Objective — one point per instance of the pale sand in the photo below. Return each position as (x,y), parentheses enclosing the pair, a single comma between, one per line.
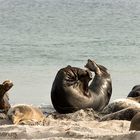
(79,125)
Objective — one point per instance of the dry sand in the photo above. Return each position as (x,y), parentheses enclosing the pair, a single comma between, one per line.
(80,125)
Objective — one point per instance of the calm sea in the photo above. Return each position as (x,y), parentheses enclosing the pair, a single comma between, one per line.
(38,37)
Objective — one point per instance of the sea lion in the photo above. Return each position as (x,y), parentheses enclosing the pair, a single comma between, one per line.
(121,109)
(71,90)
(135,92)
(120,104)
(25,114)
(4,99)
(124,114)
(135,122)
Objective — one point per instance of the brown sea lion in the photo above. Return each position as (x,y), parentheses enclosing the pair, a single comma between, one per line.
(71,90)
(4,99)
(25,114)
(135,122)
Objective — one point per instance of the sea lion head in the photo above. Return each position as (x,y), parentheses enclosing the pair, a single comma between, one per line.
(4,99)
(6,85)
(22,114)
(135,92)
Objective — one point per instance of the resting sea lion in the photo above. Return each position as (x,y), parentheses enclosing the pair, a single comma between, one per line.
(124,114)
(121,109)
(25,114)
(135,122)
(71,90)
(135,92)
(120,104)
(4,99)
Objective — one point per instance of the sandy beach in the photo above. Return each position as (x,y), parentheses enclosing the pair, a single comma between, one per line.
(82,124)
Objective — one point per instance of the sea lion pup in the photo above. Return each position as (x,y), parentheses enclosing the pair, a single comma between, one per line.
(4,99)
(71,90)
(135,92)
(135,122)
(25,114)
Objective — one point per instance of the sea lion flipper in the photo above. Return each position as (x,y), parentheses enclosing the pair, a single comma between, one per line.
(92,66)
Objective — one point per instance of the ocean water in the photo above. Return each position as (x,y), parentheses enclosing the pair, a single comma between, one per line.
(38,37)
